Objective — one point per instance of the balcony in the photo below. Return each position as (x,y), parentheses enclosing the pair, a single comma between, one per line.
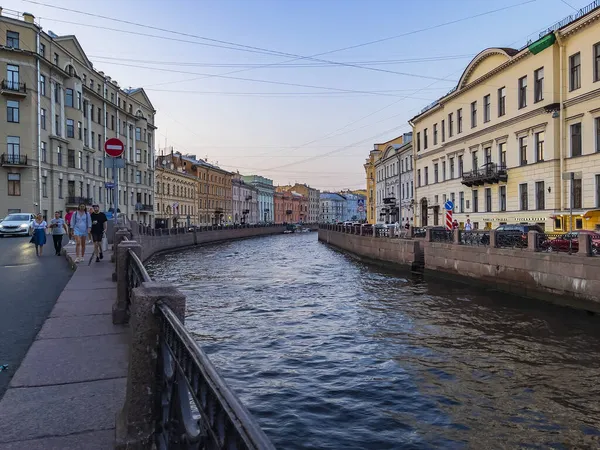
(76,201)
(288,212)
(248,198)
(246,211)
(7,159)
(389,200)
(12,88)
(489,173)
(144,207)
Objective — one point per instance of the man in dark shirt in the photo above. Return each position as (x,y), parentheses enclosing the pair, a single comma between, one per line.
(99,225)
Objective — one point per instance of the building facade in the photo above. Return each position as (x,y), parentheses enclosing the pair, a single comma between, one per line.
(332,207)
(245,201)
(176,197)
(60,111)
(353,211)
(214,191)
(265,189)
(503,143)
(311,195)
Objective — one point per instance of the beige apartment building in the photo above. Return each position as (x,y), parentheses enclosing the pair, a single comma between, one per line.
(57,112)
(177,197)
(501,143)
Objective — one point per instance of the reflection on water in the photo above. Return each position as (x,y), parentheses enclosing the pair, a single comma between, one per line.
(329,353)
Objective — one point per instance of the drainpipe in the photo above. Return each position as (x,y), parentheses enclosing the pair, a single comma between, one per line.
(39,123)
(561,120)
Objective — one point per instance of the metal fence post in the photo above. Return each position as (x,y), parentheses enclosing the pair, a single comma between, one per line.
(532,241)
(456,236)
(493,238)
(135,422)
(585,244)
(120,307)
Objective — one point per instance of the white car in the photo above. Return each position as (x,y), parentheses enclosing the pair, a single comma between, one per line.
(17,224)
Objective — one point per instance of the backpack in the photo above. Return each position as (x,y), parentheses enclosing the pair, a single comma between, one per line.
(87,219)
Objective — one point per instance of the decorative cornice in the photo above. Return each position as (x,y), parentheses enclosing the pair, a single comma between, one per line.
(582,98)
(574,117)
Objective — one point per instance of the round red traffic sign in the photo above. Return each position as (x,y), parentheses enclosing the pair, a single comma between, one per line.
(114,147)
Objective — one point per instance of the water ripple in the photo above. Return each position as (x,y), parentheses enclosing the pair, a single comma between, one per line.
(329,353)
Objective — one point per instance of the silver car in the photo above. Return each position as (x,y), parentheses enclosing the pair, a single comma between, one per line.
(17,224)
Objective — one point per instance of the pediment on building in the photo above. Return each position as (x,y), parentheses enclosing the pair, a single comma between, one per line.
(486,61)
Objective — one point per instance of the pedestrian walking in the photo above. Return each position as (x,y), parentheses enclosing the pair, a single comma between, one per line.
(99,226)
(39,234)
(81,224)
(68,217)
(59,229)
(455,224)
(468,226)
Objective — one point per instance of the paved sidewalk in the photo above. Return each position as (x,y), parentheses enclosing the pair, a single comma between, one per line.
(69,387)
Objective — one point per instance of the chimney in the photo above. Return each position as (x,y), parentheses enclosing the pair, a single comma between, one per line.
(27,17)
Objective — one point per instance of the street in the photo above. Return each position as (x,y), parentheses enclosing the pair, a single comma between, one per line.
(29,288)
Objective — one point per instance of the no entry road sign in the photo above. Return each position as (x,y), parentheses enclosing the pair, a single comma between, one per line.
(114,147)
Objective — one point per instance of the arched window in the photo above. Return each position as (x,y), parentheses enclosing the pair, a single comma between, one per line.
(168,189)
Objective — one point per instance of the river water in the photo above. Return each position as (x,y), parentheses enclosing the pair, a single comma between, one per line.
(330,353)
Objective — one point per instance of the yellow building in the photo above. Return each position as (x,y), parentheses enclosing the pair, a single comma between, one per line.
(176,197)
(518,122)
(371,175)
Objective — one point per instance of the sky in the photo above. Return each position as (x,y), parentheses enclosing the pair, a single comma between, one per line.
(233,80)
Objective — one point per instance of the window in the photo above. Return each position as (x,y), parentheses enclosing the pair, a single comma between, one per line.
(425,139)
(459,121)
(79,131)
(473,114)
(451,168)
(461,201)
(539,147)
(70,128)
(597,62)
(59,160)
(43,118)
(523,196)
(43,85)
(80,160)
(45,187)
(488,200)
(99,116)
(460,166)
(540,195)
(79,101)
(12,111)
(523,151)
(14,183)
(502,198)
(13,148)
(99,141)
(487,154)
(426,176)
(57,93)
(576,139)
(69,97)
(443,130)
(597,123)
(418,141)
(597,191)
(538,85)
(435,173)
(487,108)
(418,177)
(522,92)
(575,71)
(577,194)
(501,101)
(475,160)
(91,83)
(443,170)
(502,154)
(42,51)
(43,151)
(138,134)
(71,159)
(450,125)
(93,143)
(435,134)
(475,200)
(112,97)
(60,188)
(87,163)
(112,122)
(138,156)
(12,75)
(12,39)
(138,176)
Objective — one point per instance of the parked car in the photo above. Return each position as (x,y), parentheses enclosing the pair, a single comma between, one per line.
(17,224)
(570,241)
(510,231)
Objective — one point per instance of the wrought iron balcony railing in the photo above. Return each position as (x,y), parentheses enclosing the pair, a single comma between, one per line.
(13,87)
(72,200)
(7,159)
(490,173)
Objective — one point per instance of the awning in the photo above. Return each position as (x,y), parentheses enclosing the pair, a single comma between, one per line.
(590,213)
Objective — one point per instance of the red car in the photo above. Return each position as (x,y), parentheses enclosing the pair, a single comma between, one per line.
(571,240)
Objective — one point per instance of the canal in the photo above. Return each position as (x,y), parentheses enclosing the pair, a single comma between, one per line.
(330,353)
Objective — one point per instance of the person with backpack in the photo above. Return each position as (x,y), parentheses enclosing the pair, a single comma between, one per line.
(81,224)
(99,226)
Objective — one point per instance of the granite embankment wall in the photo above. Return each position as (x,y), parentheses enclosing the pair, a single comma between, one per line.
(572,280)
(153,243)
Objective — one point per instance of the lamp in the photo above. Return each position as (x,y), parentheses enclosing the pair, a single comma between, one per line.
(549,189)
(555,115)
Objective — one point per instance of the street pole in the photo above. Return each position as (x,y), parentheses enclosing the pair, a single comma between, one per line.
(115,191)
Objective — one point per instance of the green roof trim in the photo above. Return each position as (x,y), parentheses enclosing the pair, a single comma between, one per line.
(542,44)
